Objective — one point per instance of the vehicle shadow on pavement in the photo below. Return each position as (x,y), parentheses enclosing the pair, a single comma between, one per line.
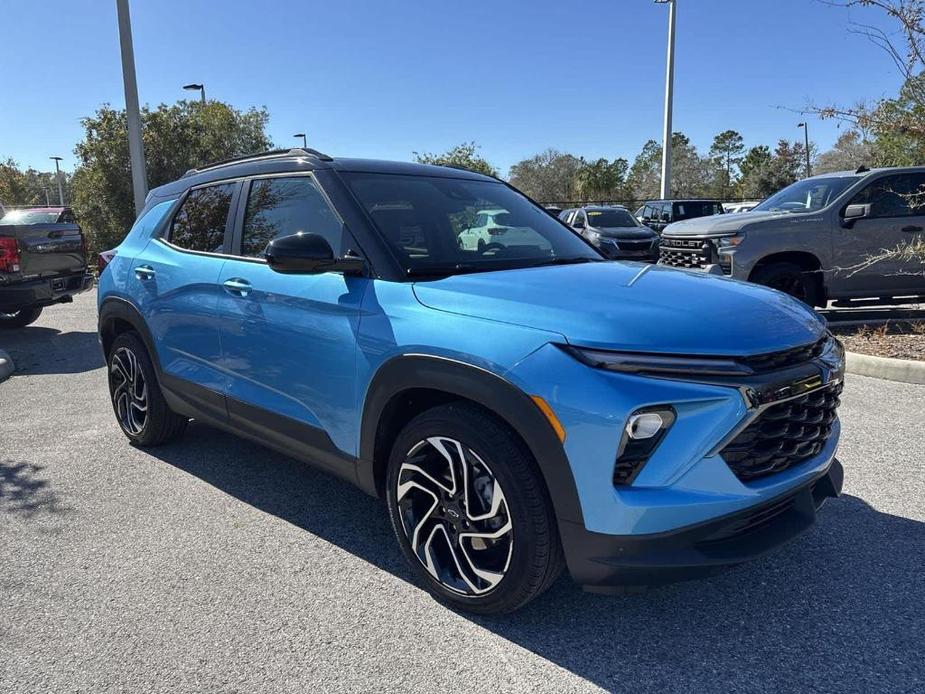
(24,493)
(839,609)
(38,350)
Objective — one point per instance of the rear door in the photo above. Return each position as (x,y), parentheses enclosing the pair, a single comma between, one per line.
(176,283)
(289,342)
(897,219)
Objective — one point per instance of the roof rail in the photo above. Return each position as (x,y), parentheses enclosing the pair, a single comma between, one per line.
(293,151)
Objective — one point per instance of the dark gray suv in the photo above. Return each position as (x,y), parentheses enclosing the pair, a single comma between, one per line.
(818,239)
(614,231)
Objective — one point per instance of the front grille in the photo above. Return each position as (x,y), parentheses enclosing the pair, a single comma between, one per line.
(634,245)
(694,258)
(784,435)
(786,358)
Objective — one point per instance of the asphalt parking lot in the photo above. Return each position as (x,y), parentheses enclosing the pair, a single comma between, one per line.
(214,565)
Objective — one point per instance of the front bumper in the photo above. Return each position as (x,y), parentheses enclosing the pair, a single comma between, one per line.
(44,291)
(602,562)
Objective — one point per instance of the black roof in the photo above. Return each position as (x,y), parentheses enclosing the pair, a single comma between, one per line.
(649,202)
(301,159)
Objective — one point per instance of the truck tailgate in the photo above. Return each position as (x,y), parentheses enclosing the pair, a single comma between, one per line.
(48,249)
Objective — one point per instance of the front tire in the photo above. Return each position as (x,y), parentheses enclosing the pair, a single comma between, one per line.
(20,318)
(470,510)
(788,278)
(137,401)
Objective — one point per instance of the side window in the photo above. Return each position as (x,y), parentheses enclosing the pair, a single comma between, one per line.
(902,195)
(200,223)
(579,220)
(284,206)
(667,210)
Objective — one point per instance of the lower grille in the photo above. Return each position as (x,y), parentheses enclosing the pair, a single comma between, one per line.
(784,435)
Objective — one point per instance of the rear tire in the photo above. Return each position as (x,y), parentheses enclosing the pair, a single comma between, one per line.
(490,546)
(20,318)
(137,401)
(788,278)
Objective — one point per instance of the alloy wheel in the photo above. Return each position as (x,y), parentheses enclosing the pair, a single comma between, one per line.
(455,516)
(9,316)
(129,390)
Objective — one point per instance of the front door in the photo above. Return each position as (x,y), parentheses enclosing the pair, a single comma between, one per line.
(865,261)
(178,274)
(289,341)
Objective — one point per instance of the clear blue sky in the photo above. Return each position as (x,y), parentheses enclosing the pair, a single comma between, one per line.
(384,78)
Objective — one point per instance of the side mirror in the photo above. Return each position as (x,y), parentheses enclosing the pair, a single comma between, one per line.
(853,213)
(307,253)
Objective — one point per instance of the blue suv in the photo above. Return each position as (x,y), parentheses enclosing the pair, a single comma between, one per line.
(521,406)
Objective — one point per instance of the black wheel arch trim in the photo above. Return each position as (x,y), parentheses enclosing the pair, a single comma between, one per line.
(116,308)
(496,394)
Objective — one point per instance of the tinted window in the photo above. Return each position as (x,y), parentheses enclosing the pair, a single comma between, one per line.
(429,221)
(901,195)
(283,206)
(611,218)
(689,210)
(200,223)
(29,217)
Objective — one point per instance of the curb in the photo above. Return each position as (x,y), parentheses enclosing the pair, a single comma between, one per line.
(6,366)
(902,370)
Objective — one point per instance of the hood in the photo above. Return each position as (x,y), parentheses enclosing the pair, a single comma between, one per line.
(625,232)
(722,223)
(632,306)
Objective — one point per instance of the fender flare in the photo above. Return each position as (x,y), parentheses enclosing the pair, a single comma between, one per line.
(115,308)
(491,391)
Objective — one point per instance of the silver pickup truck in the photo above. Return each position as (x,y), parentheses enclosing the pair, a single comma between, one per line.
(818,239)
(43,261)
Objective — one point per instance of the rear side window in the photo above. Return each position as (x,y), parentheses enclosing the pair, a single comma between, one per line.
(200,223)
(284,206)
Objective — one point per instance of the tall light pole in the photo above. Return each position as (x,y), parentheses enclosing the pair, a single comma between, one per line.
(805,126)
(58,179)
(136,148)
(669,95)
(304,139)
(201,88)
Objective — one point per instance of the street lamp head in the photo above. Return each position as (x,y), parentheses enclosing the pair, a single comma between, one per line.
(56,158)
(192,86)
(299,135)
(801,125)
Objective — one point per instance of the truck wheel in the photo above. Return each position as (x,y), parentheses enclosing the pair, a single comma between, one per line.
(788,278)
(20,318)
(137,400)
(470,510)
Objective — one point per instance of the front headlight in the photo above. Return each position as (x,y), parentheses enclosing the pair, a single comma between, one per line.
(659,364)
(730,241)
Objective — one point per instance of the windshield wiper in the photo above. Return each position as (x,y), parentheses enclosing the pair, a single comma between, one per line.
(568,261)
(443,270)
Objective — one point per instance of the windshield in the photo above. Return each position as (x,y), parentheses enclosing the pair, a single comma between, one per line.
(29,217)
(438,225)
(611,219)
(808,195)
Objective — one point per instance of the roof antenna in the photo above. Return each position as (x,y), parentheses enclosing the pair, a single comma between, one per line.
(862,169)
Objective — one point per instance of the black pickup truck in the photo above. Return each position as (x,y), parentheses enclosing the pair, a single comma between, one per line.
(43,261)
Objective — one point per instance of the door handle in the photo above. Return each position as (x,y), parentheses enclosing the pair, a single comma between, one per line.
(237,286)
(912,228)
(145,272)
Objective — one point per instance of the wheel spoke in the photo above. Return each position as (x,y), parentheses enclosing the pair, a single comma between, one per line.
(455,516)
(129,390)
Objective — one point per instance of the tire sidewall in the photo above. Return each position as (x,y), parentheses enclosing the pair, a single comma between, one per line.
(523,531)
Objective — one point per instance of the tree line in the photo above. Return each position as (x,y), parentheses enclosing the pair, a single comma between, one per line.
(188,134)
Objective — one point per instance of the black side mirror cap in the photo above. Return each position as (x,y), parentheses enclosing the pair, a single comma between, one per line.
(853,213)
(308,253)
